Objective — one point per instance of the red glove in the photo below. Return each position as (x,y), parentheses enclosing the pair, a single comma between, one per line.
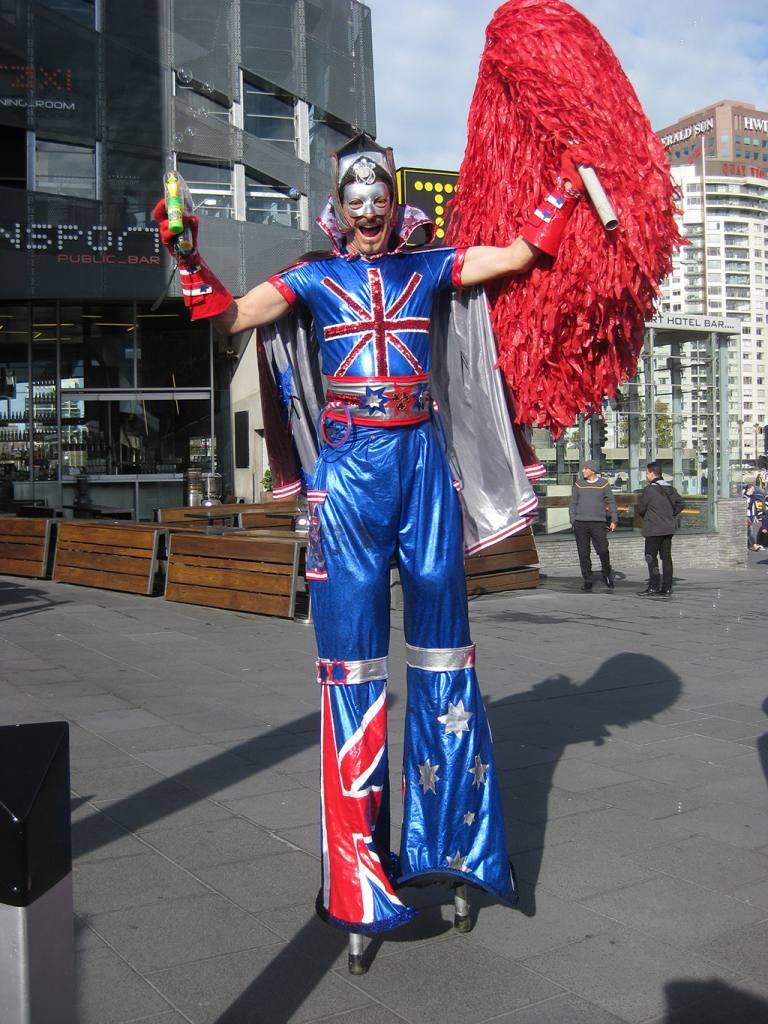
(169,240)
(203,293)
(569,174)
(545,226)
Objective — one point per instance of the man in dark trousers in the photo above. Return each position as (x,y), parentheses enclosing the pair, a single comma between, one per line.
(659,505)
(592,503)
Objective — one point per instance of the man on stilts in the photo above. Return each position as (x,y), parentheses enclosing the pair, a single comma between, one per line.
(381,488)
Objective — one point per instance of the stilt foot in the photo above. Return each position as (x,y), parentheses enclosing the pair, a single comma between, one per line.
(355,962)
(462,920)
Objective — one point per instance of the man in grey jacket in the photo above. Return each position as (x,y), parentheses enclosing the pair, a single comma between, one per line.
(659,505)
(592,503)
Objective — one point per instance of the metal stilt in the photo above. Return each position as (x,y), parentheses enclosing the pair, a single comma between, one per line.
(462,920)
(355,961)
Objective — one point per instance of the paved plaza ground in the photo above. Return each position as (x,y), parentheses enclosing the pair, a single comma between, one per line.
(632,742)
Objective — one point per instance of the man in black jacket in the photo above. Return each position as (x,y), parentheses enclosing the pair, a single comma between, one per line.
(659,505)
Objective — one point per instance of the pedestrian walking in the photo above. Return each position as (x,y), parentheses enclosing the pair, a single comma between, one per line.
(761,534)
(755,509)
(592,513)
(659,506)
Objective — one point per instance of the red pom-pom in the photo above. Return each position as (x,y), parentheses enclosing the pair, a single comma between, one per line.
(570,332)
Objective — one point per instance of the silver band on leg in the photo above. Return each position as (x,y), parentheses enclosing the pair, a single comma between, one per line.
(339,672)
(440,659)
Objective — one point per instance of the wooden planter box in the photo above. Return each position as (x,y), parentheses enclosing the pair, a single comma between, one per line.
(26,546)
(110,556)
(259,571)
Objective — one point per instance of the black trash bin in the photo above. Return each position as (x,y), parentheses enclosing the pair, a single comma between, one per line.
(36,913)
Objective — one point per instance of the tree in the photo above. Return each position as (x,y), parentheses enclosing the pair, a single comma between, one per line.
(663,425)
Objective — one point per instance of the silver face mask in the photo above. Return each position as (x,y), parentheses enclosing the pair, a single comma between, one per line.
(369,200)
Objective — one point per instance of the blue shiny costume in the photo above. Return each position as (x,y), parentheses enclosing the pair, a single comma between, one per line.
(382,489)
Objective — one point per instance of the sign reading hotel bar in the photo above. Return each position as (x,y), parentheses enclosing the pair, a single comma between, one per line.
(689,322)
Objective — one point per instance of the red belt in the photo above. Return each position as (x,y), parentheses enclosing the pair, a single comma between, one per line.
(377,402)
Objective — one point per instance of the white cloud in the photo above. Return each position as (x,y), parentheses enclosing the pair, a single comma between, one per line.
(680,55)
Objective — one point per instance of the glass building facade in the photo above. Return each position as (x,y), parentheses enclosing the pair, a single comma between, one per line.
(103,378)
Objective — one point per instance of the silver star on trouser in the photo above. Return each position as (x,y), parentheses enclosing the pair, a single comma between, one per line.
(469,817)
(478,770)
(457,862)
(456,719)
(428,776)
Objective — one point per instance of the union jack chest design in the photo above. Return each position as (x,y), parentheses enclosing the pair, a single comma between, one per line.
(372,317)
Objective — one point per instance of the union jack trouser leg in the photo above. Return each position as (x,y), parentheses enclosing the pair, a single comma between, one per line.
(356,892)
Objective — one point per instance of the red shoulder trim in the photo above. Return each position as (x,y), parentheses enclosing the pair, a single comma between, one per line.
(287,293)
(458,266)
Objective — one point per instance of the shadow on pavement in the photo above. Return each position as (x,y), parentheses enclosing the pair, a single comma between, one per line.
(712,1002)
(762,746)
(556,714)
(288,979)
(199,782)
(553,715)
(35,601)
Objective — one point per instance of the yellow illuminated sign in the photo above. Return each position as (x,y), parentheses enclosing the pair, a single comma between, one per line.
(431,191)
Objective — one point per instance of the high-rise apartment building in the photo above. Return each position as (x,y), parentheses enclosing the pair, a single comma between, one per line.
(719,158)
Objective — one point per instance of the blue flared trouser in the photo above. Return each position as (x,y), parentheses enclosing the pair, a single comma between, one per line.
(384,493)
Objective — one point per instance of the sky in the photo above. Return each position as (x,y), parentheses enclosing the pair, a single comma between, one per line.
(680,55)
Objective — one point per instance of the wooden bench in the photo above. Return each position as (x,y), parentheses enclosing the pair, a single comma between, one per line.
(512,564)
(259,571)
(26,545)
(112,556)
(272,515)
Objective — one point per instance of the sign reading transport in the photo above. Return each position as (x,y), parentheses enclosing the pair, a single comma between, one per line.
(690,322)
(110,244)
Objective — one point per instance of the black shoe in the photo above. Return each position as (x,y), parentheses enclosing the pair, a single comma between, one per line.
(608,579)
(664,592)
(648,590)
(586,585)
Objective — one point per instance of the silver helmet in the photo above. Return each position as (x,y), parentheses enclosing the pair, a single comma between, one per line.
(362,161)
